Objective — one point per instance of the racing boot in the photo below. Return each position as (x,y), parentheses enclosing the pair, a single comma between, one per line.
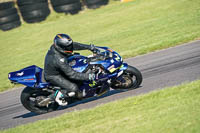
(60,98)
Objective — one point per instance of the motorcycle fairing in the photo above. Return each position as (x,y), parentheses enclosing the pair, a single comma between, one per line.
(110,64)
(30,76)
(124,66)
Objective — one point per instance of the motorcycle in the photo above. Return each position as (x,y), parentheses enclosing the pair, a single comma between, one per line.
(106,63)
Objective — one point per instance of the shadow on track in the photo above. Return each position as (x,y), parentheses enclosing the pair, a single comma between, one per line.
(27,115)
(112,92)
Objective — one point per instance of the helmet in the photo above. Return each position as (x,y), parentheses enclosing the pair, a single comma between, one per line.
(63,43)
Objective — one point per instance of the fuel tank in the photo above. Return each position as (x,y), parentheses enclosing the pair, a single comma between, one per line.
(78,62)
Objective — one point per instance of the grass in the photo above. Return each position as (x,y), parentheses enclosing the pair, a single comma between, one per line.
(131,28)
(172,110)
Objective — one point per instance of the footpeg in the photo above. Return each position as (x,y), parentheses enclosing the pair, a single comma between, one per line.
(44,102)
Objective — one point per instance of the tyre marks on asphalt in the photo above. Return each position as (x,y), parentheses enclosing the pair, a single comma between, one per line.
(179,64)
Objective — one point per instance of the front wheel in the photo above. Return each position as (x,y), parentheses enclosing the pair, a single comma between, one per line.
(30,98)
(130,79)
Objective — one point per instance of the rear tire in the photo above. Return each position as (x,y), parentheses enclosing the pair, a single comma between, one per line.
(27,100)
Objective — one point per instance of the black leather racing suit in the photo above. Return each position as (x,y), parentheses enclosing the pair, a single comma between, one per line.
(58,72)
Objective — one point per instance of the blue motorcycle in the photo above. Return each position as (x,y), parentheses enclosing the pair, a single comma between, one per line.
(107,64)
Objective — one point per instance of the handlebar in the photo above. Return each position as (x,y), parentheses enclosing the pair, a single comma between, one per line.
(105,53)
(101,55)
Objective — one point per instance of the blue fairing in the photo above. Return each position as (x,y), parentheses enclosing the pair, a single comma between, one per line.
(114,62)
(124,67)
(78,63)
(30,76)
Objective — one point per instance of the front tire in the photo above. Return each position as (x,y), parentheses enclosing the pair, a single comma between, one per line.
(131,79)
(134,73)
(28,100)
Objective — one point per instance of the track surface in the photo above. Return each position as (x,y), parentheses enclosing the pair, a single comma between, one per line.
(160,69)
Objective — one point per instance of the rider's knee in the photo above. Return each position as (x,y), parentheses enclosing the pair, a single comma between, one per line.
(73,87)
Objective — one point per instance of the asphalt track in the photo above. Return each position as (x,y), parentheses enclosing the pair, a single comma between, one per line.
(160,69)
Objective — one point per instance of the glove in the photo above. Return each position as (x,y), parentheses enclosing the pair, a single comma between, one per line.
(96,77)
(92,77)
(94,49)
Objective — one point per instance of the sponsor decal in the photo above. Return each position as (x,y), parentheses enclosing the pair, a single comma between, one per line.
(20,74)
(112,70)
(29,79)
(120,73)
(111,67)
(92,84)
(117,58)
(85,61)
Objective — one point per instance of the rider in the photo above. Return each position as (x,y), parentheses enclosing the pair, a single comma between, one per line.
(58,72)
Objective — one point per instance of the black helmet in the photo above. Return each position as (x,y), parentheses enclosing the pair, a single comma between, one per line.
(63,43)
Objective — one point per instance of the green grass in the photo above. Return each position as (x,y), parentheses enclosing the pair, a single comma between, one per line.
(132,28)
(172,110)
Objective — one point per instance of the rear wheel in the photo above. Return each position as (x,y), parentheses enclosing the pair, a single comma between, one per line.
(131,79)
(30,98)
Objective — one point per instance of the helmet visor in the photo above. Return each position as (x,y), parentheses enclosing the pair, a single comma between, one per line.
(68,49)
